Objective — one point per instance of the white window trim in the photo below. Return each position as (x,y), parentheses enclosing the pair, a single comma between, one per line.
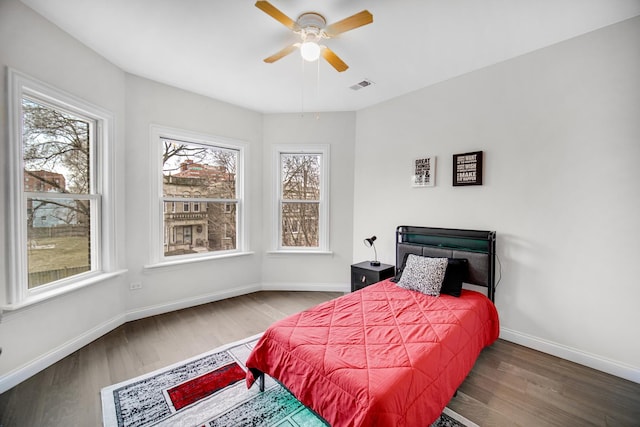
(18,295)
(323,233)
(156,255)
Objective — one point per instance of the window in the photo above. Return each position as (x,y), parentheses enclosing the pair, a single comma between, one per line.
(302,176)
(202,176)
(60,153)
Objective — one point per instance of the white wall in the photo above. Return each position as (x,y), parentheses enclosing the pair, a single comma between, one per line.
(561,137)
(312,271)
(42,333)
(167,288)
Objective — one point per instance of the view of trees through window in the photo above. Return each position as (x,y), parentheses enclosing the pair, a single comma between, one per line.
(56,148)
(300,204)
(199,196)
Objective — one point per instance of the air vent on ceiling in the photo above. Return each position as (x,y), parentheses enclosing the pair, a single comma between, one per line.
(364,83)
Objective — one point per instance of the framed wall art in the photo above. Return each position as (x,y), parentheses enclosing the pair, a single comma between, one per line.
(467,169)
(424,172)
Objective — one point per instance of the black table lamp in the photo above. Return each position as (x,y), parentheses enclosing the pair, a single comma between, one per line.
(369,242)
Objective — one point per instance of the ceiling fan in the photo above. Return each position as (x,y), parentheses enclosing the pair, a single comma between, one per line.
(312,28)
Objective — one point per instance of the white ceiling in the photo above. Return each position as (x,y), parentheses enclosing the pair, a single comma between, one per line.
(216,47)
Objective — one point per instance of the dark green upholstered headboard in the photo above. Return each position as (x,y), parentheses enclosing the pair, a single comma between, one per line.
(479,247)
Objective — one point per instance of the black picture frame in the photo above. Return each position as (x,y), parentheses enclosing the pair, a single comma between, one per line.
(467,169)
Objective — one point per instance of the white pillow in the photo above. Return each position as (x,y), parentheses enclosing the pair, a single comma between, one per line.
(423,274)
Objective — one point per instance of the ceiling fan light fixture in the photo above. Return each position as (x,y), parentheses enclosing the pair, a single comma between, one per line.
(310,51)
(312,29)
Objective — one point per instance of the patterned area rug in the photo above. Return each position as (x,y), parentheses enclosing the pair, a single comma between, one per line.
(209,390)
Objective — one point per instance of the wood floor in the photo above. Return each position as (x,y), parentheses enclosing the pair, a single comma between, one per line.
(509,385)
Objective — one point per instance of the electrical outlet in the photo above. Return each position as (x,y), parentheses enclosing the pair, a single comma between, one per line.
(135,286)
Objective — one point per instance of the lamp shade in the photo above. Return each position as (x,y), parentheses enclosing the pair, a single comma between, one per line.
(369,243)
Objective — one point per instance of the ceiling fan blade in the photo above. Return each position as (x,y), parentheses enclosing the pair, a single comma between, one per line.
(354,21)
(282,53)
(276,14)
(334,60)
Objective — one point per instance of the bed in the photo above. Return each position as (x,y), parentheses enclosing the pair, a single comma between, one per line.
(390,355)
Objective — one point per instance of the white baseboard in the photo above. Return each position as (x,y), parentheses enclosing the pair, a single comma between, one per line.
(16,376)
(154,310)
(317,287)
(594,361)
(31,368)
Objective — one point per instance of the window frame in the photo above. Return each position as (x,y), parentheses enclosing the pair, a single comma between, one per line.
(323,204)
(157,134)
(104,262)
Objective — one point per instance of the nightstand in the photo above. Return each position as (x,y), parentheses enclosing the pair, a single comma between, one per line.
(364,274)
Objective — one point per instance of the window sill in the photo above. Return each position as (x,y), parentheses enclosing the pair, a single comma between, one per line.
(192,260)
(46,295)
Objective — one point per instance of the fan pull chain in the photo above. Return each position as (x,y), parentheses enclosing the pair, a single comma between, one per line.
(318,87)
(302,89)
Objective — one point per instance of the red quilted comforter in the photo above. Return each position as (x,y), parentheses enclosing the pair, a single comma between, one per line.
(382,356)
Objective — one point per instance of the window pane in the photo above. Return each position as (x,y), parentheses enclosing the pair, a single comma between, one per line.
(192,170)
(300,224)
(211,228)
(58,239)
(55,147)
(300,176)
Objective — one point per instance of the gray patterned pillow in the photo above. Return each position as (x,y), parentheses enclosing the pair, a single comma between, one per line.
(423,274)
